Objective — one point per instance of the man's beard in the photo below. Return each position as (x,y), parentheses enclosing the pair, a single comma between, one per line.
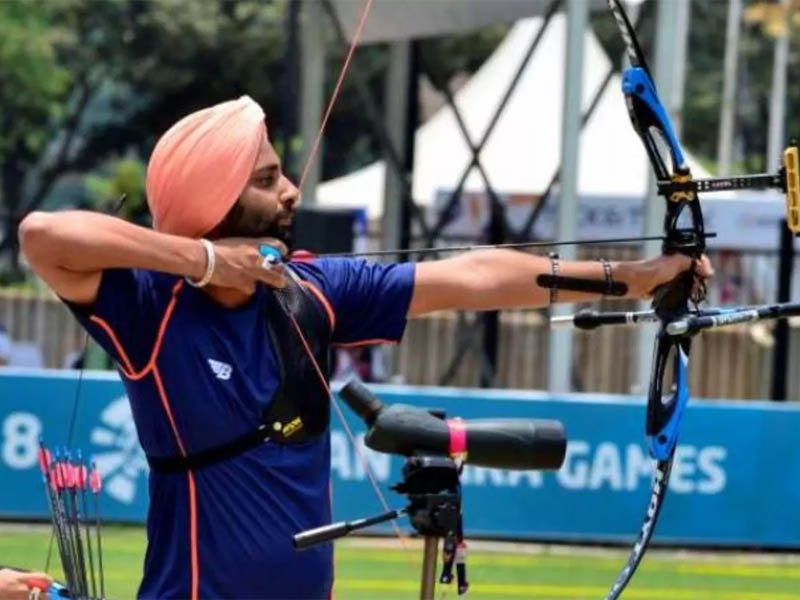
(273,230)
(243,223)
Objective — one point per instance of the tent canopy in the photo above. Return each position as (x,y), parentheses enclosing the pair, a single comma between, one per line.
(524,150)
(393,20)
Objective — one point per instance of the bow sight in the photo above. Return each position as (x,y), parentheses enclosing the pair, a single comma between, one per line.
(786,179)
(435,450)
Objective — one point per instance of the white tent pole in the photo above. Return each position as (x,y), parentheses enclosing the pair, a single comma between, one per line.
(560,355)
(727,111)
(777,104)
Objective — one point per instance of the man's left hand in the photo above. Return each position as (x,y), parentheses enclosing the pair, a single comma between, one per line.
(644,276)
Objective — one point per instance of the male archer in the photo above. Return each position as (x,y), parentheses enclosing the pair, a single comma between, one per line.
(224,352)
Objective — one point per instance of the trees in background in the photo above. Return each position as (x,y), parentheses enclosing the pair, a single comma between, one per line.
(87,87)
(86,84)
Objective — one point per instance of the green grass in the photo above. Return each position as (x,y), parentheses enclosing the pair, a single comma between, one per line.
(368,569)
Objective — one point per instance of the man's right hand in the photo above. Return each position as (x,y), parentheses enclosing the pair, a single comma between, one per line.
(240,265)
(70,250)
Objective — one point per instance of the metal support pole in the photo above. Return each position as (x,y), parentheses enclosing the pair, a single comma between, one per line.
(312,90)
(777,103)
(412,121)
(560,355)
(491,320)
(780,352)
(428,585)
(398,129)
(664,74)
(288,125)
(683,11)
(728,109)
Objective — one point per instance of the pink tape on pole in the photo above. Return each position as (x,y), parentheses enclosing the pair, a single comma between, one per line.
(458,438)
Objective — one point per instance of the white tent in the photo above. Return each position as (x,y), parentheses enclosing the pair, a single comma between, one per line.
(525,149)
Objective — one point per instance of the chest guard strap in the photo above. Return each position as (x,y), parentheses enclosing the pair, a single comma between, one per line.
(298,326)
(300,409)
(210,456)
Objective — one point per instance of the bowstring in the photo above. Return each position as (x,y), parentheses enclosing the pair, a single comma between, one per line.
(367,6)
(335,94)
(367,471)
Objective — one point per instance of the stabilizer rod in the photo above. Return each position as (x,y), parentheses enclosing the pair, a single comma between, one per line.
(326,533)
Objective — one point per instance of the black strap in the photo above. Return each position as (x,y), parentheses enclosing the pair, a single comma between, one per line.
(577,284)
(555,271)
(210,456)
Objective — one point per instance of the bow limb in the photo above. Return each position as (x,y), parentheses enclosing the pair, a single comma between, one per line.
(684,233)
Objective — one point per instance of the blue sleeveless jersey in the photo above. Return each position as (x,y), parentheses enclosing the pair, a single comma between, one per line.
(199,375)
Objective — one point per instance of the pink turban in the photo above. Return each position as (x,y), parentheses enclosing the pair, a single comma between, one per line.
(202,164)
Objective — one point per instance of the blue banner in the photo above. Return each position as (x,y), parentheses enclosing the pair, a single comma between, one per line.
(734,480)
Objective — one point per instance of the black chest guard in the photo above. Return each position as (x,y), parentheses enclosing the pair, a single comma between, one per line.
(299,328)
(300,409)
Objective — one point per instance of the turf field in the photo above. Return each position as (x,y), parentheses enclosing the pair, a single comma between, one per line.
(368,569)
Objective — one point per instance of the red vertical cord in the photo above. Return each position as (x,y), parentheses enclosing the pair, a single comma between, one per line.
(337,88)
(309,160)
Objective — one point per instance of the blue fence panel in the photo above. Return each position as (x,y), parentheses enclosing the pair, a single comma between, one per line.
(734,481)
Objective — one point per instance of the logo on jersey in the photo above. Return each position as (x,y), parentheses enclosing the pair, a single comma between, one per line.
(221,370)
(121,459)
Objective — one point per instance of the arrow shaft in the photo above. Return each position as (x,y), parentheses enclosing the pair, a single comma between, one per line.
(515,245)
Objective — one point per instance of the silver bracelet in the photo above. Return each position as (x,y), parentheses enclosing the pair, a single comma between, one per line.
(607,274)
(211,262)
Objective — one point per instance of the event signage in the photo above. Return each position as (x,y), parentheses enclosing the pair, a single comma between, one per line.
(749,221)
(733,482)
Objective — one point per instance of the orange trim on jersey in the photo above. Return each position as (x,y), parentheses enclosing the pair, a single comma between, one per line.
(165,321)
(193,536)
(365,343)
(162,393)
(193,551)
(128,370)
(127,367)
(323,300)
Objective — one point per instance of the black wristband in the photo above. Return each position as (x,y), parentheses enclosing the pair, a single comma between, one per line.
(555,270)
